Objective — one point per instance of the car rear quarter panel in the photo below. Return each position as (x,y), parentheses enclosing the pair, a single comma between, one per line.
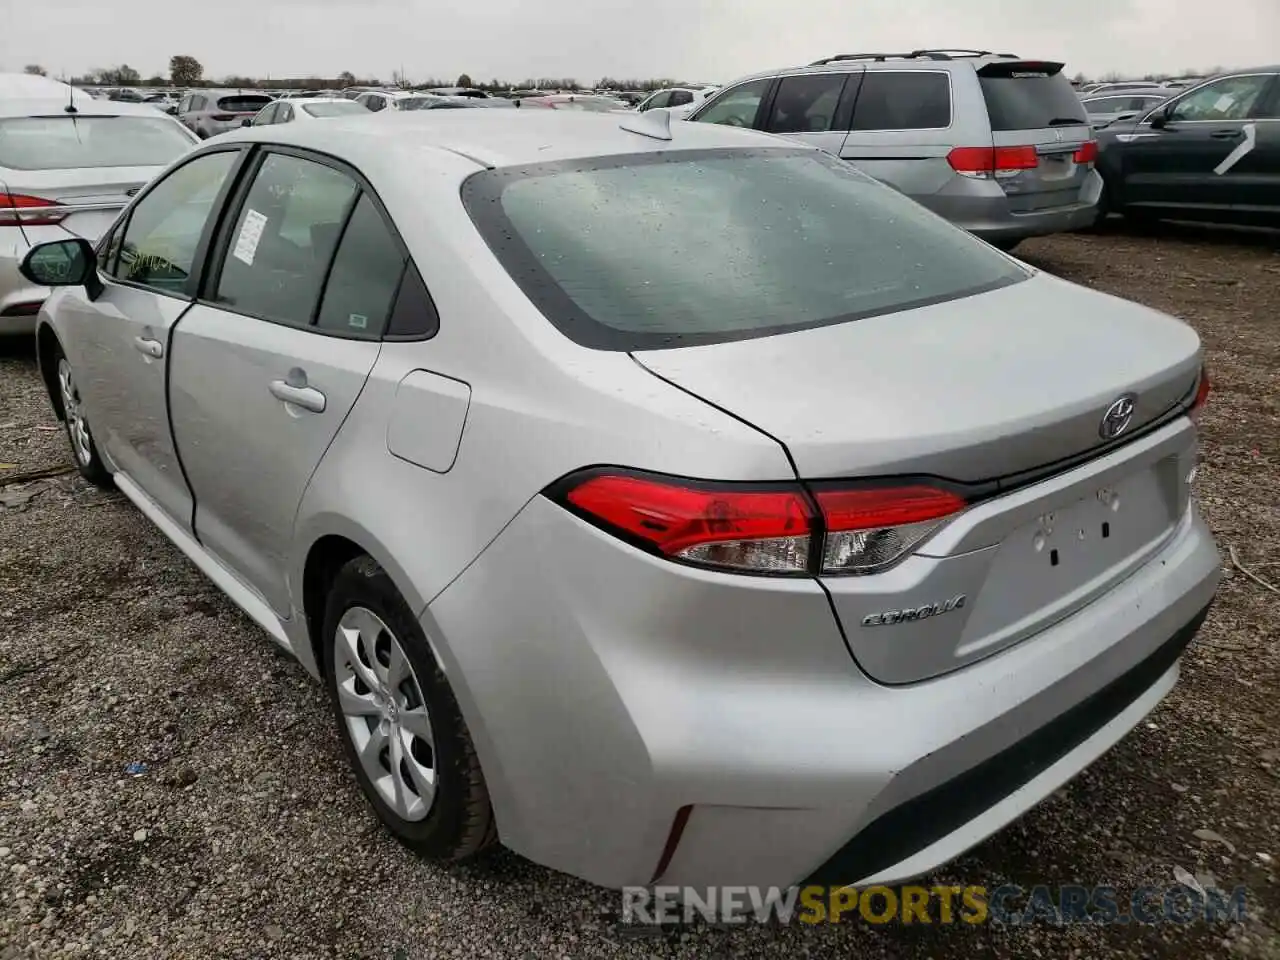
(540,407)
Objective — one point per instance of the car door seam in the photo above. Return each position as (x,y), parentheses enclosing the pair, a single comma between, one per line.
(168,416)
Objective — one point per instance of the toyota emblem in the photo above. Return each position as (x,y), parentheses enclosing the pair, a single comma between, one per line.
(1118,416)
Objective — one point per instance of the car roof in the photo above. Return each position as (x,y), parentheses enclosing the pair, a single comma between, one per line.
(85,107)
(493,138)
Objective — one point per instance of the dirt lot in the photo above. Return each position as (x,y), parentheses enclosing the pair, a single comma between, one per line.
(243,835)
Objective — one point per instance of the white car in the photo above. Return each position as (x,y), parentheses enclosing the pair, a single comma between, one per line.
(304,110)
(67,169)
(377,100)
(679,101)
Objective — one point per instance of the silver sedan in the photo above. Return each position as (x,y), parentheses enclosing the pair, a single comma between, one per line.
(69,172)
(667,501)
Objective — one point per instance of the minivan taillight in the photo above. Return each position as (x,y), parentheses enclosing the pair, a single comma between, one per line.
(984,163)
(767,529)
(19,208)
(1087,153)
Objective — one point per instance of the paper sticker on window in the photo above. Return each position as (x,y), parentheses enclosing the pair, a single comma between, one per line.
(250,233)
(358,320)
(1223,103)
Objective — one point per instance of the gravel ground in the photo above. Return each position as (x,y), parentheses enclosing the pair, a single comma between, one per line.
(244,835)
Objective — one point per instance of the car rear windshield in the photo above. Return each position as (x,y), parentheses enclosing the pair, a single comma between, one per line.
(679,248)
(69,142)
(246,104)
(333,108)
(1029,99)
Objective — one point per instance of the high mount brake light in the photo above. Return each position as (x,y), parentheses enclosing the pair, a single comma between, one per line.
(775,529)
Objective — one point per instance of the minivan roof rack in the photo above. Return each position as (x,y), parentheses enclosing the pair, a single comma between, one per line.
(948,54)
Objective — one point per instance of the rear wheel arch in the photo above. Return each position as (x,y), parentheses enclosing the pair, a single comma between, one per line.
(327,556)
(48,349)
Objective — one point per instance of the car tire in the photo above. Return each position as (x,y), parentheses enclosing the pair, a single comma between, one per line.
(83,448)
(371,634)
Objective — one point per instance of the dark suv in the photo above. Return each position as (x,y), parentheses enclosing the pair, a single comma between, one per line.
(1211,153)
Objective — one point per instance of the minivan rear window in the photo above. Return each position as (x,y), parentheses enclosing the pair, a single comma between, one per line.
(245,104)
(679,248)
(1029,99)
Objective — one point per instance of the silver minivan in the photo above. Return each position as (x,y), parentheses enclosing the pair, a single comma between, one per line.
(995,143)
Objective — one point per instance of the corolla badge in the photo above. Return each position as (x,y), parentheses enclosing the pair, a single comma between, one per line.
(890,617)
(1118,416)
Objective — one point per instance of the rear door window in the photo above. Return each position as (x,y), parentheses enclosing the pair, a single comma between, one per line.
(284,237)
(806,103)
(1029,96)
(365,276)
(903,100)
(680,97)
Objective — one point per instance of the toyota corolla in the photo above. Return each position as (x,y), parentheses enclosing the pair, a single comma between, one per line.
(667,502)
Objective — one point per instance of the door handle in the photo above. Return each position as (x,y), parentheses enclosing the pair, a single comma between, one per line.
(308,398)
(1227,134)
(149,347)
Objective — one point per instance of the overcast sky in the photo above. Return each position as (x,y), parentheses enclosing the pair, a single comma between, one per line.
(712,40)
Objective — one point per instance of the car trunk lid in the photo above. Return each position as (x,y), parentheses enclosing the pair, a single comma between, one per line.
(1003,394)
(93,198)
(972,389)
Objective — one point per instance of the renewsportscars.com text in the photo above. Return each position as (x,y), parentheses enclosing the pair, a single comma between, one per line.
(1008,904)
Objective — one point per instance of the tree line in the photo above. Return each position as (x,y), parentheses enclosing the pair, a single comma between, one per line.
(187,71)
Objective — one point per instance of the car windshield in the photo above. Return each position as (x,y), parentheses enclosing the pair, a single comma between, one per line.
(332,108)
(673,249)
(69,142)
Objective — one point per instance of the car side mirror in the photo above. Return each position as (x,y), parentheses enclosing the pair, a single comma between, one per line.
(171,111)
(247,122)
(63,263)
(1160,119)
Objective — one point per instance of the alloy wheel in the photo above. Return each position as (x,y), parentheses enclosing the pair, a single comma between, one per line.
(77,426)
(385,714)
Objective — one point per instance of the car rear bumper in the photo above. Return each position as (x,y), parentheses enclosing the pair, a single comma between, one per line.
(982,208)
(607,691)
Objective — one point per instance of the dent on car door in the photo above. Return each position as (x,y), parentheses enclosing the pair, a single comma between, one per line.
(120,341)
(268,364)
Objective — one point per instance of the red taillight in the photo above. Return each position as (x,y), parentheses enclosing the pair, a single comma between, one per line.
(987,162)
(741,529)
(870,528)
(747,528)
(1087,153)
(1202,393)
(19,208)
